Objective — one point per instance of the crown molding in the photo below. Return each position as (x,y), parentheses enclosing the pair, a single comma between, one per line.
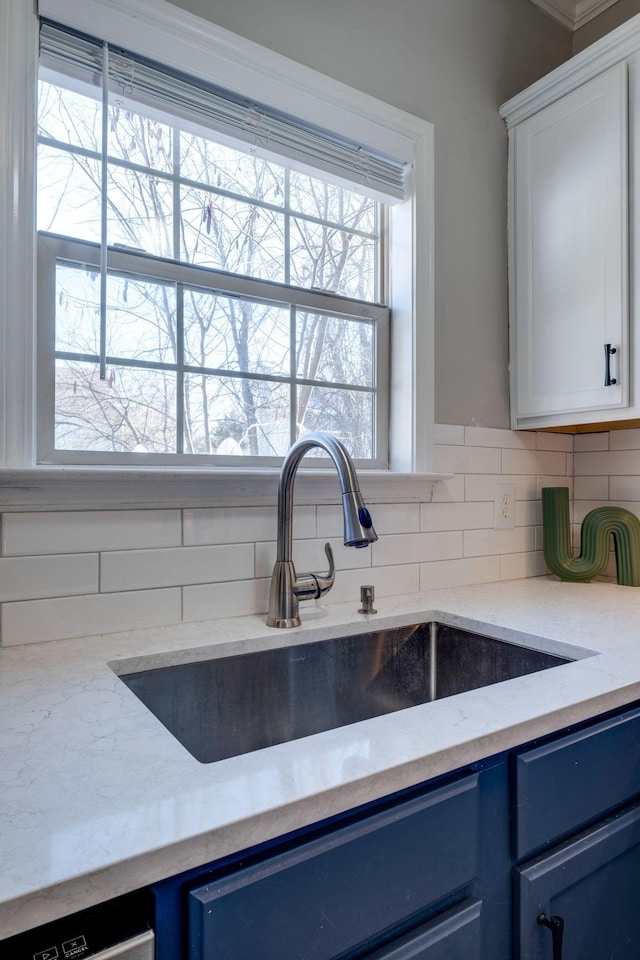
(619,45)
(573,14)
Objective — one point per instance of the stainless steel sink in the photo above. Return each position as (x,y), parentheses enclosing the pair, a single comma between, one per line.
(233,705)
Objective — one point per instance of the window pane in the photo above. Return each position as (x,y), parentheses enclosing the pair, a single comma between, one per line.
(228,235)
(218,166)
(141,315)
(232,334)
(140,211)
(325,258)
(77,309)
(139,139)
(68,194)
(141,320)
(69,117)
(327,201)
(347,414)
(132,410)
(333,348)
(236,417)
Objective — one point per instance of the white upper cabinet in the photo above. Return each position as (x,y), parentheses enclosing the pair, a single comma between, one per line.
(571,178)
(570,246)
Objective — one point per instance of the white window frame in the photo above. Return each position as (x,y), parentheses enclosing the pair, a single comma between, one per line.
(162,32)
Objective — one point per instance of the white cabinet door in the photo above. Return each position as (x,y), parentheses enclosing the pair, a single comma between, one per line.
(569,254)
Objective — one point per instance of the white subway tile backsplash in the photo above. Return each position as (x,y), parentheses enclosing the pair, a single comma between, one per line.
(590,441)
(612,462)
(27,534)
(458,573)
(528,513)
(416,548)
(153,567)
(450,459)
(264,558)
(624,488)
(534,461)
(486,542)
(455,516)
(33,621)
(483,487)
(30,578)
(449,433)
(516,566)
(554,441)
(145,569)
(389,581)
(492,437)
(591,488)
(242,524)
(624,440)
(212,601)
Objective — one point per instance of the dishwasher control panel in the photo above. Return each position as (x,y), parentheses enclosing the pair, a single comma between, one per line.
(120,929)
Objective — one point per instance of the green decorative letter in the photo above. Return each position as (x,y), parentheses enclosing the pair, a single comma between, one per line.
(594,552)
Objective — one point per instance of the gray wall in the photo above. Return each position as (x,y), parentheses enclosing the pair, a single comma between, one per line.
(451,62)
(607,21)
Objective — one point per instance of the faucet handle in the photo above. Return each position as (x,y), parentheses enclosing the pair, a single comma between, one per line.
(310,586)
(325,581)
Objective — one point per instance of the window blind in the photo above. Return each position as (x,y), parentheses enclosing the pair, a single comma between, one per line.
(136,81)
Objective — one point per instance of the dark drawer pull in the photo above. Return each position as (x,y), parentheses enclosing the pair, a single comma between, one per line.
(608,351)
(556,925)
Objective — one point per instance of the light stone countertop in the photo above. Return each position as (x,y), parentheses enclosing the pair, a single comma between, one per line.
(97,798)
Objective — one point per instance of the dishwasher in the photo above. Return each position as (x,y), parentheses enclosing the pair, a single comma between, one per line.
(120,929)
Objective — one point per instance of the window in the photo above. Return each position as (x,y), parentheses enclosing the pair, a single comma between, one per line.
(201,299)
(173,281)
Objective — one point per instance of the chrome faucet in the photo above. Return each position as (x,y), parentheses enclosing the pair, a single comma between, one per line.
(287,587)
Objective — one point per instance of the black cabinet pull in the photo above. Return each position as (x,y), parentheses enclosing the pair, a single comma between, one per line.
(608,351)
(556,925)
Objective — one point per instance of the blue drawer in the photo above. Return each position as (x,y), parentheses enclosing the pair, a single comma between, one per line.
(453,935)
(562,786)
(325,897)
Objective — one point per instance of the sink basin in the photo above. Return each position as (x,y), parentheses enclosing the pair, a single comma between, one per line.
(233,705)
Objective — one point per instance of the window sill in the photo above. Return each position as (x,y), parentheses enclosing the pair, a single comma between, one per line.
(108,488)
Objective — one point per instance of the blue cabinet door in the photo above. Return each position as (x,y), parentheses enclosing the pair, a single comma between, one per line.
(593,883)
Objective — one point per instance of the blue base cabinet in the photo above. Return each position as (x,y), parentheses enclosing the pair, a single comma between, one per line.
(592,883)
(460,868)
(577,837)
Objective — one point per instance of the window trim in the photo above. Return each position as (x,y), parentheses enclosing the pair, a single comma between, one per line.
(165,33)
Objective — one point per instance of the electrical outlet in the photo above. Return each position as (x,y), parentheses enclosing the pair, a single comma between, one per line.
(504,506)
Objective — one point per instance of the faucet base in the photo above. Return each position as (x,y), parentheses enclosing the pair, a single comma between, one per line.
(277,622)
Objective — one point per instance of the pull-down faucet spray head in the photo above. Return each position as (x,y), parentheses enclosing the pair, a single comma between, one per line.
(358,526)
